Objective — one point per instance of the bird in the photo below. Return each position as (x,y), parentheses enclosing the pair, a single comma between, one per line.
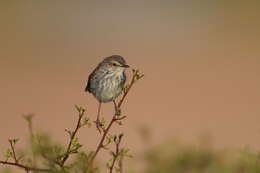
(106,82)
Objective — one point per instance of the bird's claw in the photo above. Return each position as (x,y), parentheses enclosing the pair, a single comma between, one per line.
(118,111)
(98,125)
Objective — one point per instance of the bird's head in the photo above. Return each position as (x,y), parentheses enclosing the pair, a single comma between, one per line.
(115,64)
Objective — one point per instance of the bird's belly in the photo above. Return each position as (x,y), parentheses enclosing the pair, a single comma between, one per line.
(110,90)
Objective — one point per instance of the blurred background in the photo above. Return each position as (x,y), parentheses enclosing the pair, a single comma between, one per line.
(200,59)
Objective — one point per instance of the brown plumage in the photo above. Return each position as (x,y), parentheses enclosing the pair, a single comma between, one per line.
(107,80)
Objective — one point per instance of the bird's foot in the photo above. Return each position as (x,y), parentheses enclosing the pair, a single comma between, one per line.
(99,125)
(118,111)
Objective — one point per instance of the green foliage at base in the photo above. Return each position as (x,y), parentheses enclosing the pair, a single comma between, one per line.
(176,158)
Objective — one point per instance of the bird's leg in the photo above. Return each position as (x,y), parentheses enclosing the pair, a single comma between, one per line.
(117,109)
(98,123)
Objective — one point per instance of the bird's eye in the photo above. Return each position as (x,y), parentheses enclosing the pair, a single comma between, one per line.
(114,64)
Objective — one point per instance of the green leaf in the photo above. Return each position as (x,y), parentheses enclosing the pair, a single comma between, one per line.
(125,152)
(103,122)
(8,153)
(109,139)
(80,109)
(75,141)
(86,122)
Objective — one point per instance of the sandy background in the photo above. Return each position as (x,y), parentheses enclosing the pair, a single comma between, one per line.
(201,62)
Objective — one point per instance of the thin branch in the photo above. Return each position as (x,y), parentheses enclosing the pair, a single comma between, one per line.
(127,91)
(27,168)
(120,118)
(13,151)
(68,151)
(29,118)
(116,154)
(30,128)
(120,164)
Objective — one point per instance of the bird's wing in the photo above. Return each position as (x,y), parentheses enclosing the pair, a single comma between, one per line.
(91,77)
(87,89)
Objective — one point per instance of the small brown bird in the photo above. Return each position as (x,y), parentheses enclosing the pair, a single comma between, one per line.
(106,82)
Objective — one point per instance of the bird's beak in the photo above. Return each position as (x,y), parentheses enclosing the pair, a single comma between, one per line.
(125,66)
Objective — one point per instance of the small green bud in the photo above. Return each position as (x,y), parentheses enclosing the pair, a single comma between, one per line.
(13,141)
(86,122)
(69,132)
(103,122)
(75,141)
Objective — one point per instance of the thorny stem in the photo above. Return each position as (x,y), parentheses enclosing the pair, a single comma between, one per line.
(135,77)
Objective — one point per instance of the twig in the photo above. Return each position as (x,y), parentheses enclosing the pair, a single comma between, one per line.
(30,128)
(120,164)
(29,118)
(116,154)
(13,151)
(27,168)
(101,143)
(68,151)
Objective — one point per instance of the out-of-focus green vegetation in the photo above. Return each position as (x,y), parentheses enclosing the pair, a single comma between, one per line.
(170,157)
(177,158)
(43,154)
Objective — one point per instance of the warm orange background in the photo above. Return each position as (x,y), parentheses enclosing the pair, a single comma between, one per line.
(201,62)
